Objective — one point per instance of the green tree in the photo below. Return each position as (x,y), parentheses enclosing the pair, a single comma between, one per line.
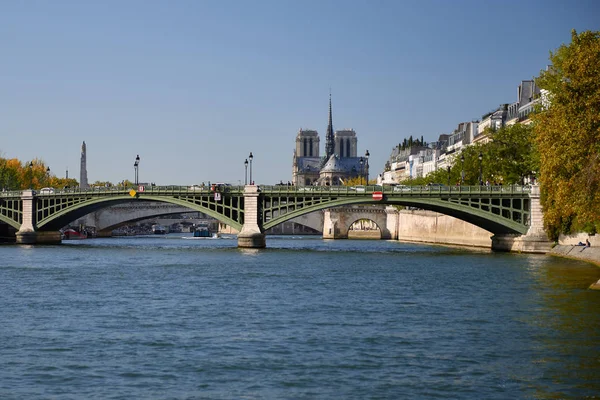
(568,136)
(511,155)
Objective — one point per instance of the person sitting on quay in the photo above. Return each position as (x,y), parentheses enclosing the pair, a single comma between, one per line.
(585,245)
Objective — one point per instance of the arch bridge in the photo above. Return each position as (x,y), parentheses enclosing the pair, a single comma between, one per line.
(506,211)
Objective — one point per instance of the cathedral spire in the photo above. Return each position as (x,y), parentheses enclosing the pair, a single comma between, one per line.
(329,139)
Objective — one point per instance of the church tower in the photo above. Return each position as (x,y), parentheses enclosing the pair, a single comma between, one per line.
(83,181)
(329,138)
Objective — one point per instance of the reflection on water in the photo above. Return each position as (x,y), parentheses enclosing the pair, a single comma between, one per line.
(569,346)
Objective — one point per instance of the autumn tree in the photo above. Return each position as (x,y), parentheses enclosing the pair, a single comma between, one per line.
(35,174)
(9,175)
(568,136)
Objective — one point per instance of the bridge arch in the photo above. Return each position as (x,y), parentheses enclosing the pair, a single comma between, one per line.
(482,218)
(10,221)
(338,222)
(120,217)
(72,212)
(353,231)
(11,210)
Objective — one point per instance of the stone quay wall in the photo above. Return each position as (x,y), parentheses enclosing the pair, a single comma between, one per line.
(432,227)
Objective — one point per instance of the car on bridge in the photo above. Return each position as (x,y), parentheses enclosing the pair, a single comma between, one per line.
(47,190)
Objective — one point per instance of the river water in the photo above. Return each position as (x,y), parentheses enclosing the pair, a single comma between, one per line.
(181,318)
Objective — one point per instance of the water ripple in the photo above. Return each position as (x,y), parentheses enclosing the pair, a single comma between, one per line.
(180,319)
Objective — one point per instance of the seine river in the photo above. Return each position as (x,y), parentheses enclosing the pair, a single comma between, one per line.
(181,318)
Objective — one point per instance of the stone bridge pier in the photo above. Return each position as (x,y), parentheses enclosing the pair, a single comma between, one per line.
(535,240)
(28,234)
(251,235)
(337,221)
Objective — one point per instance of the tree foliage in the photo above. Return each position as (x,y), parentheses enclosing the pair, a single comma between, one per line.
(508,159)
(568,136)
(512,155)
(34,174)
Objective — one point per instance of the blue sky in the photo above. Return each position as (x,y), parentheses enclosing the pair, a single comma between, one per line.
(194,86)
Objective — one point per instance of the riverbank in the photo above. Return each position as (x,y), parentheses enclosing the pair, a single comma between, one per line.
(588,254)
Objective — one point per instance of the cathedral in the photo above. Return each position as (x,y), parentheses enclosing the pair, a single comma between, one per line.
(339,163)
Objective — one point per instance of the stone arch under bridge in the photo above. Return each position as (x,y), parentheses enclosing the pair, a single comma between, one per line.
(107,219)
(337,221)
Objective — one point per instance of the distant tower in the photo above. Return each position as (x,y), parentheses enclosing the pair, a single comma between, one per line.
(83,181)
(329,138)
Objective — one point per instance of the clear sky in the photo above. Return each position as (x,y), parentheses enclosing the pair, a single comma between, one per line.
(194,86)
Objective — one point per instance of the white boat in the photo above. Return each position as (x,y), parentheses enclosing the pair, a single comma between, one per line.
(159,229)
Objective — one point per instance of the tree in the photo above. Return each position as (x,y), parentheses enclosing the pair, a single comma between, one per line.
(568,136)
(15,175)
(511,155)
(102,184)
(354,181)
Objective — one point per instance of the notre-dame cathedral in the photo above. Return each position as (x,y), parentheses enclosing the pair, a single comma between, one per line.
(339,164)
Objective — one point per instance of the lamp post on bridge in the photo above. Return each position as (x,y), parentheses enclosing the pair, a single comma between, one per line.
(250,157)
(462,169)
(31,175)
(448,170)
(480,157)
(246,172)
(367,167)
(136,165)
(361,161)
(48,175)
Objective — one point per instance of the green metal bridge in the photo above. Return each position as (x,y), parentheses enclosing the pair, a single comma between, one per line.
(254,209)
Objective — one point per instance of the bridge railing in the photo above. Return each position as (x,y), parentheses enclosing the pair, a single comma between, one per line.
(396,189)
(174,189)
(11,193)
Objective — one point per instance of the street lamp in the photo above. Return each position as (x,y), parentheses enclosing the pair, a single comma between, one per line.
(48,175)
(480,174)
(136,167)
(448,169)
(246,172)
(462,169)
(31,175)
(361,161)
(367,167)
(250,157)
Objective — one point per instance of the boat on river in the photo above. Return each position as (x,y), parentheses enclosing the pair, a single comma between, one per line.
(159,229)
(202,231)
(72,234)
